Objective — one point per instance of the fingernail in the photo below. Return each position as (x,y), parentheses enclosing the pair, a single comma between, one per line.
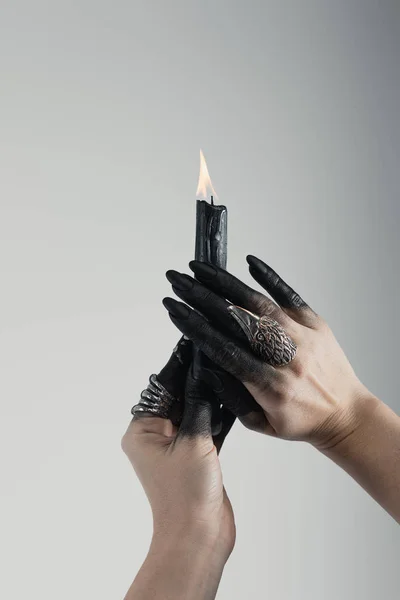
(179,281)
(202,270)
(256,263)
(176,309)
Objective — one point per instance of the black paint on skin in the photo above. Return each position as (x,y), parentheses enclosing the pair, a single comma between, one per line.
(230,392)
(173,375)
(227,286)
(214,334)
(200,414)
(220,348)
(193,398)
(228,389)
(280,291)
(197,415)
(177,365)
(206,302)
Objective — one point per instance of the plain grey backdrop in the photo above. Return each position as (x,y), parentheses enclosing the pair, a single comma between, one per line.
(103,108)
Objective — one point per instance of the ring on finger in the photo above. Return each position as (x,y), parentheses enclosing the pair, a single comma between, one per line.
(266,337)
(156,400)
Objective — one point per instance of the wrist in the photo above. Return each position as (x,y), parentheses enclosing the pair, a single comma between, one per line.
(344,428)
(202,542)
(198,555)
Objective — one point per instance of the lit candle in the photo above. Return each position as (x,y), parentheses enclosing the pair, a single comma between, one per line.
(211,247)
(211,222)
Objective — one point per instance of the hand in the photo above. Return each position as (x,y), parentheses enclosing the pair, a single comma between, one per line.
(316,397)
(180,469)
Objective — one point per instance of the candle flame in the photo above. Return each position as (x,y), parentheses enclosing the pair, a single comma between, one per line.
(205,190)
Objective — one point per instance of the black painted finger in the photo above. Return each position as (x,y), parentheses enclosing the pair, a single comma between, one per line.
(202,364)
(173,374)
(198,411)
(231,356)
(210,304)
(227,421)
(237,292)
(235,397)
(230,391)
(281,292)
(201,361)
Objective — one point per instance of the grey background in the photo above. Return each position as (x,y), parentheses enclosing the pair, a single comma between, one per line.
(103,108)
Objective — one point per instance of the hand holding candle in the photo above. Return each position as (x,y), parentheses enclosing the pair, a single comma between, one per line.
(315,396)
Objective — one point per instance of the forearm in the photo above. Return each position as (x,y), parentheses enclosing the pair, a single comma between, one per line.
(178,569)
(370,453)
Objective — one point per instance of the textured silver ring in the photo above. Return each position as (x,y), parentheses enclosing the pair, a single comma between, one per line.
(267,338)
(155,400)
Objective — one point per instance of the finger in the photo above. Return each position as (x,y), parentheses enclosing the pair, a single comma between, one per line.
(282,293)
(232,357)
(173,374)
(165,392)
(201,361)
(227,421)
(207,302)
(236,398)
(228,286)
(270,341)
(198,411)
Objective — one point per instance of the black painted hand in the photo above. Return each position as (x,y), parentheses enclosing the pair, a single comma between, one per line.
(314,397)
(181,385)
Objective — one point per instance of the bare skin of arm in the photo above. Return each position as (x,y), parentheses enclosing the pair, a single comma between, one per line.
(370,453)
(193,522)
(316,397)
(178,567)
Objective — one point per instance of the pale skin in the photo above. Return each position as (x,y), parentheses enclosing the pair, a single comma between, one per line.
(193,522)
(317,398)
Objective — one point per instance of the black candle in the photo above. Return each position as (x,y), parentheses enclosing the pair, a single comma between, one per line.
(211,233)
(211,222)
(211,247)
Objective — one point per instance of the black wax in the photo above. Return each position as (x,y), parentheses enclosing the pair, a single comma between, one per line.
(211,247)
(211,233)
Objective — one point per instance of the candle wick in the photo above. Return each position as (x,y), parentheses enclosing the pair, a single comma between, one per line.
(212,200)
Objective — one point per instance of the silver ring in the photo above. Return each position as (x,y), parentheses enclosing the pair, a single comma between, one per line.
(267,338)
(155,400)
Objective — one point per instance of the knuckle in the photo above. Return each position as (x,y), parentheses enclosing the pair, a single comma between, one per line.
(299,368)
(295,300)
(228,353)
(126,443)
(268,308)
(280,389)
(205,294)
(260,303)
(131,436)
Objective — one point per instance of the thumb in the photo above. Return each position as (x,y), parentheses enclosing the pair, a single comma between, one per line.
(235,397)
(146,435)
(198,411)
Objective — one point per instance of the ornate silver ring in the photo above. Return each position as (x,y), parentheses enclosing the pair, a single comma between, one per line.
(267,338)
(155,400)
